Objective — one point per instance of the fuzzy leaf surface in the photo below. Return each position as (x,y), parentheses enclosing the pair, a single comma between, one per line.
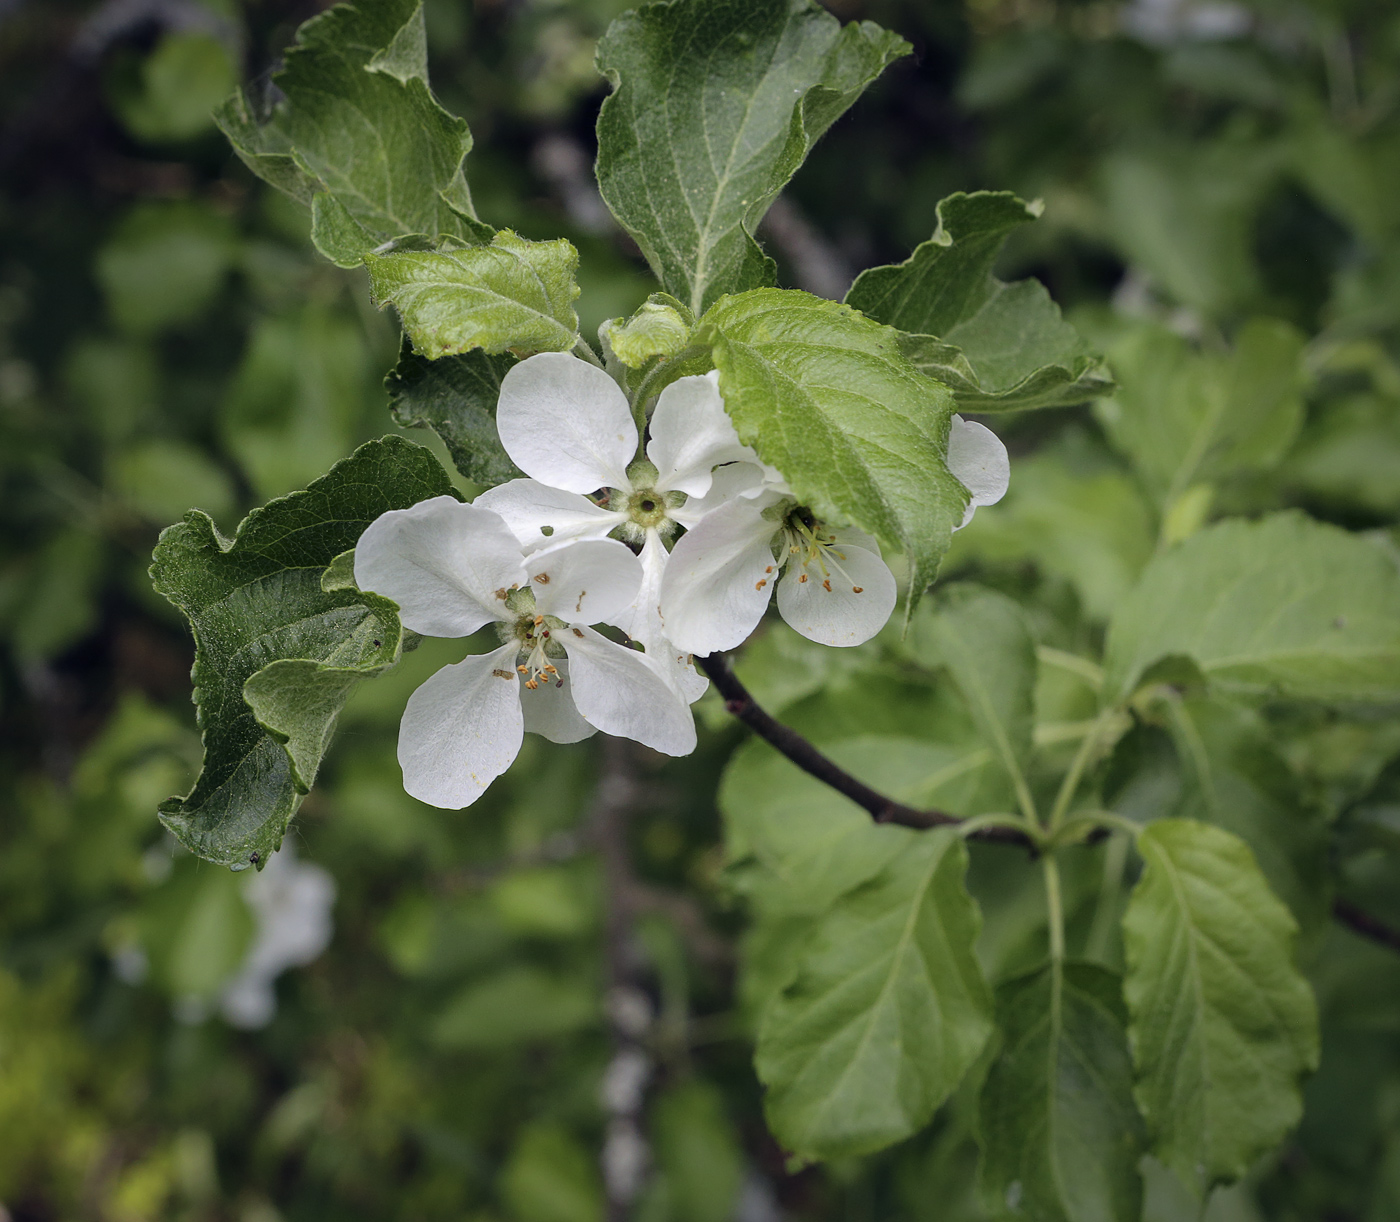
(887,1012)
(455,396)
(714,107)
(510,294)
(1222,1024)
(998,346)
(1060,1132)
(1284,604)
(357,135)
(824,394)
(276,653)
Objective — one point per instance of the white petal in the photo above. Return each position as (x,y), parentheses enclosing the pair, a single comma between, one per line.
(642,622)
(979,462)
(737,479)
(838,616)
(589,582)
(550,710)
(566,423)
(691,434)
(442,562)
(620,693)
(719,578)
(528,505)
(462,729)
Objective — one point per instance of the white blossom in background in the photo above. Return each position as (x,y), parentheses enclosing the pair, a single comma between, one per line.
(453,569)
(291,905)
(1163,22)
(569,427)
(833,586)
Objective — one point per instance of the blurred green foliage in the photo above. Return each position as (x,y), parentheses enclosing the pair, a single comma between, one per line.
(1222,219)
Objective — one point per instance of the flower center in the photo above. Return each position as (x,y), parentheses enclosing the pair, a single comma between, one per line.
(807,539)
(534,634)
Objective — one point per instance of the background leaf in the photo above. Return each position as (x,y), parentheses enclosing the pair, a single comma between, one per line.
(888,1010)
(825,396)
(510,294)
(1284,604)
(997,346)
(1061,1136)
(1223,1026)
(260,617)
(983,640)
(358,129)
(1184,416)
(689,162)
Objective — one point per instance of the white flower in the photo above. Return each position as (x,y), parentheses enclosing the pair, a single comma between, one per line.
(568,426)
(452,569)
(833,587)
(291,902)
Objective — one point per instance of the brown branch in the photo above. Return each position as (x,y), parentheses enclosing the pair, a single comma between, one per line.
(1365,924)
(883,809)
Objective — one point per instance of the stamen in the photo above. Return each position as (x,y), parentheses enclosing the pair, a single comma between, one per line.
(802,579)
(826,585)
(761,584)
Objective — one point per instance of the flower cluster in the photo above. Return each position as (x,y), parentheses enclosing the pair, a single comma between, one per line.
(592,536)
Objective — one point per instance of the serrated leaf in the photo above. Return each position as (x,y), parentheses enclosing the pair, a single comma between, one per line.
(982,638)
(511,294)
(1284,605)
(455,396)
(358,135)
(1061,1136)
(1223,1025)
(887,1012)
(823,394)
(1182,416)
(690,158)
(997,346)
(275,652)
(1233,777)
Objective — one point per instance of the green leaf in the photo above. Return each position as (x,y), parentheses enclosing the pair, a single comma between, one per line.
(1223,1025)
(516,1005)
(510,294)
(182,81)
(550,1177)
(1061,1135)
(1284,605)
(276,654)
(823,394)
(714,107)
(1182,416)
(455,396)
(888,1010)
(655,329)
(358,134)
(1074,513)
(983,640)
(698,1152)
(997,346)
(164,264)
(1233,776)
